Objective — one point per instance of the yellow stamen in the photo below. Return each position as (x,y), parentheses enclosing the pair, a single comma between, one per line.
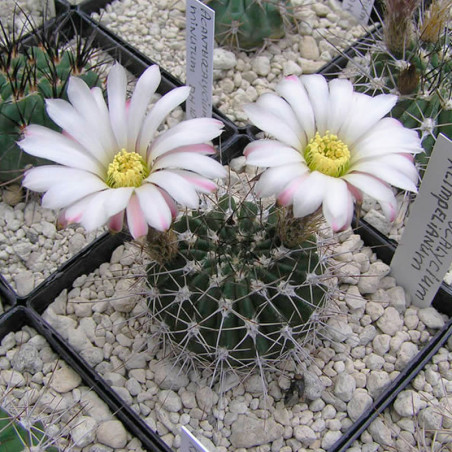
(128,169)
(328,155)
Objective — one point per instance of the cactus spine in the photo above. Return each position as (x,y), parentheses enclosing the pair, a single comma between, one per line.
(417,67)
(28,76)
(246,24)
(233,292)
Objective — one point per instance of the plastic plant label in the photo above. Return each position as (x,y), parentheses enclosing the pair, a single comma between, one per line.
(200,29)
(361,9)
(188,443)
(424,253)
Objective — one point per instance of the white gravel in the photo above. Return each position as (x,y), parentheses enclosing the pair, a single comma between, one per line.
(371,335)
(157,29)
(32,247)
(36,385)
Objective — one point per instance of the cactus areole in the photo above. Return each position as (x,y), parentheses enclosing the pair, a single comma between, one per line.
(247,23)
(232,291)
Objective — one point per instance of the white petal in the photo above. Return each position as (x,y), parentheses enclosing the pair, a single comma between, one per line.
(274,180)
(86,103)
(309,195)
(386,173)
(85,133)
(41,178)
(337,204)
(201,184)
(67,192)
(116,91)
(95,210)
(176,186)
(163,107)
(267,121)
(317,89)
(206,166)
(281,109)
(192,131)
(48,144)
(155,209)
(364,114)
(265,153)
(387,136)
(371,186)
(341,97)
(98,96)
(295,94)
(144,90)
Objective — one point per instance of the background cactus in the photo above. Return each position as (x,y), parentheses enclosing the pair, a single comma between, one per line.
(236,288)
(15,437)
(246,24)
(29,75)
(419,72)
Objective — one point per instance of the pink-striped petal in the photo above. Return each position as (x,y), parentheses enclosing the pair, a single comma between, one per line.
(136,221)
(176,186)
(206,166)
(192,131)
(276,179)
(154,206)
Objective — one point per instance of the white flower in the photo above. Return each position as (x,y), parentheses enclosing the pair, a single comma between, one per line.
(110,160)
(332,144)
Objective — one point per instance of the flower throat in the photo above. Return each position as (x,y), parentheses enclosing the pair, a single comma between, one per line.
(328,155)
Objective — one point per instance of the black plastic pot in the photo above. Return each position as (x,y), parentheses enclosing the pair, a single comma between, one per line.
(27,310)
(66,25)
(19,316)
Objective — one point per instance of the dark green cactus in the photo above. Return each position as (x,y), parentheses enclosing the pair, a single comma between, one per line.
(246,24)
(232,292)
(421,75)
(27,78)
(15,437)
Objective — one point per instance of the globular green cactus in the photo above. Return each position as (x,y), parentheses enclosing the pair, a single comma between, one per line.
(28,76)
(238,285)
(15,437)
(419,72)
(246,24)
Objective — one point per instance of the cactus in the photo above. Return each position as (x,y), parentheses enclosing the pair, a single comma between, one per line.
(27,77)
(419,72)
(246,24)
(15,437)
(239,284)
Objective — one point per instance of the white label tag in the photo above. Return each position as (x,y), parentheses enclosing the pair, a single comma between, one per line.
(200,28)
(424,253)
(188,443)
(361,9)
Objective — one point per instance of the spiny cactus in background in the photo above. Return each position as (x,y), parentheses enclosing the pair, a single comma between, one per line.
(246,24)
(14,436)
(414,60)
(29,75)
(238,285)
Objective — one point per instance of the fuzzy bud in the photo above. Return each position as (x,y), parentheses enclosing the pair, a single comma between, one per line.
(398,24)
(434,20)
(408,80)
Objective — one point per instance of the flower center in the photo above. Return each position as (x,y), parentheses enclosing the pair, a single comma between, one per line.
(128,169)
(328,155)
